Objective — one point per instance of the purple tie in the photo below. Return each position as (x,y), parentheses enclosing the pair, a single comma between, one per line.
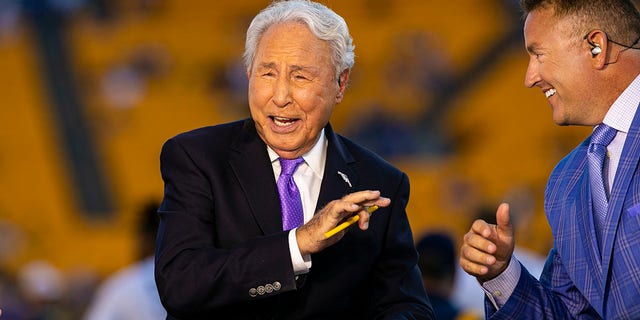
(292,215)
(600,139)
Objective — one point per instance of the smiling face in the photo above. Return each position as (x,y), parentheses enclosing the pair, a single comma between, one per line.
(560,64)
(292,88)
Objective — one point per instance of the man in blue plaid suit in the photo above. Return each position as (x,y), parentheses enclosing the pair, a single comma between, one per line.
(585,57)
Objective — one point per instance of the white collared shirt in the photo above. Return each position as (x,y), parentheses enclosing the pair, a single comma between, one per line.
(308,178)
(620,117)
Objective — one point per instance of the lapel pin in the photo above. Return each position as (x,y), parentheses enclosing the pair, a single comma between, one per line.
(345,178)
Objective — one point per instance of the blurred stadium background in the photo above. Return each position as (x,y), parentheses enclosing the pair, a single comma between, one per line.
(90,90)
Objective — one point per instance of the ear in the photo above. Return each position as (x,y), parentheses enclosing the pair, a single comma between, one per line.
(598,50)
(343,79)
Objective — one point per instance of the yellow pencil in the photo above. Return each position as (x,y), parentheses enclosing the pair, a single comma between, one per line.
(348,222)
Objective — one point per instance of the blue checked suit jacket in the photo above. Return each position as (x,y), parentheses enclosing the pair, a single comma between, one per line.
(580,280)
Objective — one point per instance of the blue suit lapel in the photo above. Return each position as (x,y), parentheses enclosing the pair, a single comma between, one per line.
(586,223)
(626,168)
(578,253)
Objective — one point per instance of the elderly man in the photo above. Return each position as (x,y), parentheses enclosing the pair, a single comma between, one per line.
(584,57)
(249,206)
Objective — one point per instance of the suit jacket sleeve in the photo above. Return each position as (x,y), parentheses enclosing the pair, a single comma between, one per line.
(556,295)
(193,274)
(553,297)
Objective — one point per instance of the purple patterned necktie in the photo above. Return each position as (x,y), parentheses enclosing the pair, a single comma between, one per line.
(292,215)
(600,139)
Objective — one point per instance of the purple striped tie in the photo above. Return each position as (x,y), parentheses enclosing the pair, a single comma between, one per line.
(292,215)
(600,139)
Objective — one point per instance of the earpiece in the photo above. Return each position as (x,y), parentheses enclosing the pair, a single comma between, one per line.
(595,48)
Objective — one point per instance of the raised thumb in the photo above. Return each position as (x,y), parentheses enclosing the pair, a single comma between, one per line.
(503,220)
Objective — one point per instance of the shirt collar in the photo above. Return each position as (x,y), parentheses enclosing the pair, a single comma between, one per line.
(621,113)
(315,158)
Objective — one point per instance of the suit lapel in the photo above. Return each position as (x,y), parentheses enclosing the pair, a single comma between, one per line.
(252,167)
(338,179)
(576,253)
(586,223)
(250,163)
(627,166)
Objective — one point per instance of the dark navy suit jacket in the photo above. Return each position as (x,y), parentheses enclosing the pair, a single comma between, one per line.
(221,250)
(580,280)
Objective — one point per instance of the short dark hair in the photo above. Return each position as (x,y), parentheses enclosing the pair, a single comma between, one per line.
(620,19)
(437,255)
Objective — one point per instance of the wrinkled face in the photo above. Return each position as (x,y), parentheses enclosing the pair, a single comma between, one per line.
(292,88)
(559,64)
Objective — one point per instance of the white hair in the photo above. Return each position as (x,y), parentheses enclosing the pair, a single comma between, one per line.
(323,22)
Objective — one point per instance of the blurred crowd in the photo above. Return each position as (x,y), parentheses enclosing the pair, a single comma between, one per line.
(41,291)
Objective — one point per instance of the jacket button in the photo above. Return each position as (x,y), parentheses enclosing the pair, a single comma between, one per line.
(277,286)
(261,290)
(253,292)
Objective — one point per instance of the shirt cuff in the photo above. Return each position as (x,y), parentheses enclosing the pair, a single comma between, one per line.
(301,265)
(500,288)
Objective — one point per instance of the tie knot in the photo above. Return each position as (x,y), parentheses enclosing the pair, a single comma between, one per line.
(603,135)
(289,165)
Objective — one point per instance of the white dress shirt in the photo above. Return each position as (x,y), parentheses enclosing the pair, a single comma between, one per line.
(308,178)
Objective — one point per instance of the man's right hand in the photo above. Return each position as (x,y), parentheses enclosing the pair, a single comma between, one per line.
(487,248)
(310,236)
